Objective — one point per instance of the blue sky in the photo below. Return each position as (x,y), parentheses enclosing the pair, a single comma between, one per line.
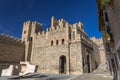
(14,12)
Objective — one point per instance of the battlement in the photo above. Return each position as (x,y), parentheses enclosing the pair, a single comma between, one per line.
(63,23)
(27,22)
(32,23)
(94,39)
(8,38)
(60,25)
(12,49)
(36,23)
(98,41)
(78,25)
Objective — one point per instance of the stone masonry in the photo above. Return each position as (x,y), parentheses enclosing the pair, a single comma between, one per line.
(62,48)
(102,57)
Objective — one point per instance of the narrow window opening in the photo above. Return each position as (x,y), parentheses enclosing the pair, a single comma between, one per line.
(63,41)
(24,32)
(57,42)
(70,36)
(51,43)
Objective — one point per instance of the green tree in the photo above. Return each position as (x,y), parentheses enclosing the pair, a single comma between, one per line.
(104,2)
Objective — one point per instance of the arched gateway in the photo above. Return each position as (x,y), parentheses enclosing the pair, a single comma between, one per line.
(62,64)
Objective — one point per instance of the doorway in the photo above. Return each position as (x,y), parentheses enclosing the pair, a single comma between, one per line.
(62,64)
(88,63)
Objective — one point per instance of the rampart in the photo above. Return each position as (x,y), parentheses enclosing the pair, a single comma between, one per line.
(11,49)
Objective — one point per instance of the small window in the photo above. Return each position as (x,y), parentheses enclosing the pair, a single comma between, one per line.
(57,42)
(31,39)
(24,32)
(63,41)
(51,43)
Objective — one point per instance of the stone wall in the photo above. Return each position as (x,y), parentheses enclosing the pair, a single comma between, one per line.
(76,66)
(61,40)
(45,54)
(47,58)
(99,50)
(11,50)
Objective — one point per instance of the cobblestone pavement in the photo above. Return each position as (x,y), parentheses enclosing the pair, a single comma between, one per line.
(38,77)
(91,76)
(85,76)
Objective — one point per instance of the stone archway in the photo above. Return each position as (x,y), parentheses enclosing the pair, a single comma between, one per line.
(62,64)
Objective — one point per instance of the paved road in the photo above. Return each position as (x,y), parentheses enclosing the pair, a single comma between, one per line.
(93,77)
(85,76)
(99,74)
(38,77)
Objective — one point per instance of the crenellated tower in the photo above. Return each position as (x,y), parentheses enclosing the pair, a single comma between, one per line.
(26,31)
(36,28)
(29,31)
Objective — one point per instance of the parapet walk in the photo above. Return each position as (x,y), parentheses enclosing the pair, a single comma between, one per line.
(10,38)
